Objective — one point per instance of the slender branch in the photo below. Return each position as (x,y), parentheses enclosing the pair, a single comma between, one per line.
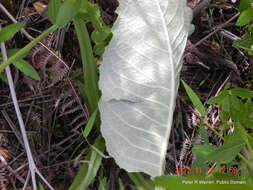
(211,128)
(217,28)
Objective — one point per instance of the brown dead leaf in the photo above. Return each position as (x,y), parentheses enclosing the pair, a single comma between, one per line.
(41,8)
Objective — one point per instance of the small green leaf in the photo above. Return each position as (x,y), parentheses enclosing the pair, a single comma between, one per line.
(227,86)
(236,103)
(248,107)
(218,99)
(204,150)
(90,124)
(242,92)
(236,108)
(237,111)
(224,126)
(244,111)
(93,12)
(22,65)
(224,116)
(250,28)
(244,4)
(245,17)
(53,9)
(88,171)
(246,114)
(84,15)
(26,68)
(195,99)
(68,10)
(9,31)
(95,17)
(245,43)
(100,36)
(247,122)
(99,49)
(225,103)
(227,152)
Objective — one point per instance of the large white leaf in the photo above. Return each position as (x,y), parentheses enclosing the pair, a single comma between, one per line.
(139,79)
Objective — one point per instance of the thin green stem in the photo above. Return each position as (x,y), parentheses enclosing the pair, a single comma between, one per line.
(27,48)
(202,119)
(211,128)
(245,160)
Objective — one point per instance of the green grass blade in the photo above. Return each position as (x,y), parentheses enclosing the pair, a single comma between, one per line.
(53,9)
(90,124)
(121,186)
(41,186)
(88,171)
(9,31)
(140,182)
(89,65)
(103,184)
(195,99)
